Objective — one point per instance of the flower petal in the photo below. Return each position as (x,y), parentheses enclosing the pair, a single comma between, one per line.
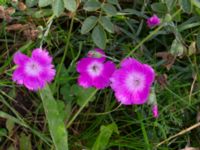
(19,58)
(41,56)
(85,81)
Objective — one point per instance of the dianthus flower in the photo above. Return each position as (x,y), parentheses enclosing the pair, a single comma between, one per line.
(131,83)
(153,21)
(95,71)
(35,71)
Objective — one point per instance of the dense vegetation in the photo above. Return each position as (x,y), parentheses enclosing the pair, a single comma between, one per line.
(65,115)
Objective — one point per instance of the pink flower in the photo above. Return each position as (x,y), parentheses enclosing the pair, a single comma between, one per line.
(132,82)
(153,21)
(35,71)
(155,111)
(95,72)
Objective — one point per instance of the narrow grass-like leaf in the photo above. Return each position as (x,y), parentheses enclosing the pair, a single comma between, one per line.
(25,142)
(88,24)
(99,36)
(55,122)
(104,136)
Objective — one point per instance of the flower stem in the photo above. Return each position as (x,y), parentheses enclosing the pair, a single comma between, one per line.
(65,51)
(150,35)
(81,108)
(144,131)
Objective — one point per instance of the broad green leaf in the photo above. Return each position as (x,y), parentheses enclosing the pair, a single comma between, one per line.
(177,48)
(115,2)
(170,4)
(82,94)
(70,5)
(159,7)
(44,3)
(99,36)
(25,142)
(58,7)
(107,24)
(88,24)
(55,122)
(31,3)
(186,5)
(66,92)
(42,13)
(109,9)
(104,136)
(196,3)
(92,5)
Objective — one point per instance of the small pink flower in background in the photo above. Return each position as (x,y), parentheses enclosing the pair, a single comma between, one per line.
(131,83)
(153,21)
(95,72)
(35,71)
(155,111)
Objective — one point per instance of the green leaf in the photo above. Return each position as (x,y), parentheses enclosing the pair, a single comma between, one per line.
(198,40)
(99,36)
(58,7)
(70,5)
(107,24)
(44,3)
(170,4)
(88,24)
(159,7)
(82,94)
(196,3)
(10,125)
(55,122)
(109,9)
(104,136)
(92,5)
(115,2)
(31,3)
(25,142)
(186,5)
(66,93)
(177,48)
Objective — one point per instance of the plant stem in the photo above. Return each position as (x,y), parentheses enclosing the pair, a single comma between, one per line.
(65,51)
(144,131)
(81,108)
(150,35)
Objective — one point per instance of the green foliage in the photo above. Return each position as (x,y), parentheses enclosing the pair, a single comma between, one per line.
(55,121)
(68,29)
(104,136)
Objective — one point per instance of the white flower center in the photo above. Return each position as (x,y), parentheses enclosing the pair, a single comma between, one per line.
(135,81)
(32,68)
(95,68)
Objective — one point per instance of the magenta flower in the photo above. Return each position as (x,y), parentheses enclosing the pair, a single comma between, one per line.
(95,72)
(153,21)
(155,111)
(35,71)
(131,83)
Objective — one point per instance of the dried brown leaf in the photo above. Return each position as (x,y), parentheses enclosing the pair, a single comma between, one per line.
(162,80)
(15,27)
(168,58)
